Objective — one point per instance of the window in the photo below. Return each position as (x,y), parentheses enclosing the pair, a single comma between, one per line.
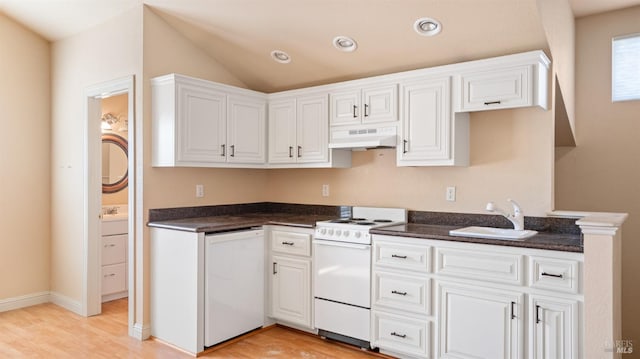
(626,68)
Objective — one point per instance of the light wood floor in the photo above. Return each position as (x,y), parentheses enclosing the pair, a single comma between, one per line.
(48,331)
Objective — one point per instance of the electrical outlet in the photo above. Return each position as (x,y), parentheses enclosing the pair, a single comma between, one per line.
(451,194)
(325,190)
(199,191)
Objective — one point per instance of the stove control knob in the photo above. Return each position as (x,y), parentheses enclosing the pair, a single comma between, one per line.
(345,233)
(322,230)
(330,231)
(338,232)
(357,234)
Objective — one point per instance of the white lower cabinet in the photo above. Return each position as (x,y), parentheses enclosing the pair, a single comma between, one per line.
(553,328)
(290,278)
(114,259)
(455,300)
(477,322)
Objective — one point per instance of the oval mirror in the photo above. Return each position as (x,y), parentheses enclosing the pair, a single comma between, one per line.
(115,171)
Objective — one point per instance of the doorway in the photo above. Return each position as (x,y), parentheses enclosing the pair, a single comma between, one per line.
(109,210)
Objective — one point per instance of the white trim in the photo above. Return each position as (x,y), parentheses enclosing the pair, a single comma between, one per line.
(91,302)
(23,301)
(141,331)
(66,302)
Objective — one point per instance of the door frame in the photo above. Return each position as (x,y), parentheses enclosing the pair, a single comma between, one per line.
(91,266)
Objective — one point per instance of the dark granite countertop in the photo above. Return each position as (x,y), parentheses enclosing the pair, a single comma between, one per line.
(568,242)
(222,223)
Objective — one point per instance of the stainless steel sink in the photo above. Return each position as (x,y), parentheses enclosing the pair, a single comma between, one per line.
(493,233)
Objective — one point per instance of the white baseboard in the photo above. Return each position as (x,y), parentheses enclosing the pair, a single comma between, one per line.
(24,301)
(141,331)
(66,303)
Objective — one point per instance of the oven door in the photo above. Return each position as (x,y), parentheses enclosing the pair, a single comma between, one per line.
(342,272)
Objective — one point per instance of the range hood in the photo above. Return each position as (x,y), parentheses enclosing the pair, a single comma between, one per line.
(363,138)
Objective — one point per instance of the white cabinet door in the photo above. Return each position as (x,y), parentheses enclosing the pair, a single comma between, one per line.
(380,104)
(553,328)
(246,130)
(479,323)
(312,129)
(282,131)
(201,124)
(426,121)
(497,88)
(291,290)
(345,108)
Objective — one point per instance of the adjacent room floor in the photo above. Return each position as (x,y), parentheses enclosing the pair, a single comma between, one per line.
(49,331)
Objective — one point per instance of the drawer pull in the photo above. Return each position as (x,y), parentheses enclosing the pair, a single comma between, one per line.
(399,293)
(398,335)
(110,275)
(287,243)
(552,275)
(492,103)
(398,256)
(109,245)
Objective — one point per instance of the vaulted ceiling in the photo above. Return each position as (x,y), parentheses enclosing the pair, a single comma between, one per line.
(240,34)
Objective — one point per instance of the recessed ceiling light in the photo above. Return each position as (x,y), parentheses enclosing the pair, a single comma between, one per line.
(280,56)
(345,43)
(427,27)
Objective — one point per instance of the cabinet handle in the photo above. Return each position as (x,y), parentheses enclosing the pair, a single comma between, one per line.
(399,293)
(290,151)
(492,103)
(537,314)
(275,271)
(110,275)
(398,335)
(404,146)
(366,107)
(299,151)
(513,312)
(552,275)
(398,256)
(354,111)
(109,245)
(224,150)
(287,243)
(233,150)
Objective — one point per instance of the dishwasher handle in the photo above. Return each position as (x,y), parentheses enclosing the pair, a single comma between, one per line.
(341,244)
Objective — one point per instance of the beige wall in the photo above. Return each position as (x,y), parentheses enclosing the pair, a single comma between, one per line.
(166,51)
(511,157)
(603,173)
(24,164)
(118,106)
(109,51)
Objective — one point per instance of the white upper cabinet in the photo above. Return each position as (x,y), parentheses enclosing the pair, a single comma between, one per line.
(299,133)
(372,104)
(428,123)
(504,82)
(198,123)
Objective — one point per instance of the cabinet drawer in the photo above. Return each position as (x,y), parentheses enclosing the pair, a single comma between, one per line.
(555,274)
(109,228)
(485,266)
(291,243)
(402,292)
(402,256)
(497,89)
(114,249)
(401,334)
(114,278)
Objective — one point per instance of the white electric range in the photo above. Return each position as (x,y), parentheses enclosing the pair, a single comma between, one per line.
(342,272)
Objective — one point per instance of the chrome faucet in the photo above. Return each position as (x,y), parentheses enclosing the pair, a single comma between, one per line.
(517,218)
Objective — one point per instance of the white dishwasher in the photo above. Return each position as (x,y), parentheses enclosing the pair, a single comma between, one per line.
(234,284)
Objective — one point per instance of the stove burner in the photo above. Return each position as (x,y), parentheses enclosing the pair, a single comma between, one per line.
(358,219)
(365,223)
(341,220)
(382,220)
